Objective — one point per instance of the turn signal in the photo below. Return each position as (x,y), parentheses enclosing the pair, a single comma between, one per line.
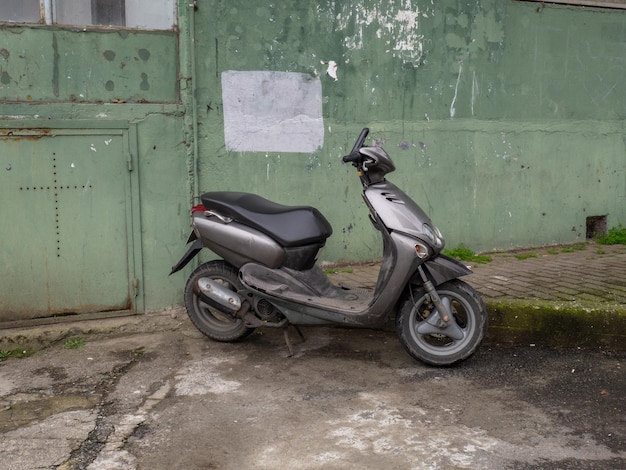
(421,250)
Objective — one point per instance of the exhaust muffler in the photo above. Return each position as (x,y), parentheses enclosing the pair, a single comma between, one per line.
(217,296)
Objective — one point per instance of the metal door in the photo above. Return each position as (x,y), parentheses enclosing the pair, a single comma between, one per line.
(66,222)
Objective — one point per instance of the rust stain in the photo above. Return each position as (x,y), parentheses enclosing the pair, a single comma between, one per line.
(42,11)
(26,134)
(81,309)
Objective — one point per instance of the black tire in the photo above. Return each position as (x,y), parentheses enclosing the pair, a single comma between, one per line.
(211,322)
(468,311)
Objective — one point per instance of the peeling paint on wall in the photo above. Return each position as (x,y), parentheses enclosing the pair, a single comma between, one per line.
(456,92)
(485,30)
(398,28)
(332,69)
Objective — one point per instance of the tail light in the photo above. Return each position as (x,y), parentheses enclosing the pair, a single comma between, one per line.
(198,208)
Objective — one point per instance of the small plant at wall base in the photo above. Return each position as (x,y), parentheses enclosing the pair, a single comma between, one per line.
(15,353)
(573,248)
(616,236)
(74,343)
(463,253)
(523,256)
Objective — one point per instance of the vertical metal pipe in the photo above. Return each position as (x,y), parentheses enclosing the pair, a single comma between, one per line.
(47,11)
(194,91)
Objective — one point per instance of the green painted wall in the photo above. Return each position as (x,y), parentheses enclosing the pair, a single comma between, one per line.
(505,119)
(45,64)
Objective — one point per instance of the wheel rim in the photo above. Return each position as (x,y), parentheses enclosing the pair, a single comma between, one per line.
(440,344)
(212,317)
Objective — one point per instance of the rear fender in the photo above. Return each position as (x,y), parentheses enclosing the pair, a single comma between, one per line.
(190,254)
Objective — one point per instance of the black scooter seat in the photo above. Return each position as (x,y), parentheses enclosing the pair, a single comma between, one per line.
(289,225)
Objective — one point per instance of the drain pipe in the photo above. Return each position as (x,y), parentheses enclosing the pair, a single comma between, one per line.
(193,6)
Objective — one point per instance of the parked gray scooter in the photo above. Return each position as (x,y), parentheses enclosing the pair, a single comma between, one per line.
(268,276)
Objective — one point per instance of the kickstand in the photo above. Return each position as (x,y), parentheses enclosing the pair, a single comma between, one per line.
(288,341)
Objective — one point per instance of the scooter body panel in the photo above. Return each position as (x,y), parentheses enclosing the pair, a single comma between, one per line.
(237,243)
(396,209)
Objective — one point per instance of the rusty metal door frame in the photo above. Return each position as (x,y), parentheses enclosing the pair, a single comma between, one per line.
(128,133)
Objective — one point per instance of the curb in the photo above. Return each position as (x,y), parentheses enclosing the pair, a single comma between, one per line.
(557,324)
(511,322)
(42,336)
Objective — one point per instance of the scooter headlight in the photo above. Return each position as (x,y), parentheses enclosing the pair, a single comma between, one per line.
(430,233)
(434,235)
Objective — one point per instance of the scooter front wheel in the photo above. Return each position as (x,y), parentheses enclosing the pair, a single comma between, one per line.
(210,321)
(435,345)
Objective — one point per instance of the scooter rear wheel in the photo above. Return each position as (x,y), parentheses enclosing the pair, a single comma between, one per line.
(439,349)
(211,322)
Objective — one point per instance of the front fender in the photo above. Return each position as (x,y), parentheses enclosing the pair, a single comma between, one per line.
(442,269)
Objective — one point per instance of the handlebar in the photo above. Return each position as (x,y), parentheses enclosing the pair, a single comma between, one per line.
(354,155)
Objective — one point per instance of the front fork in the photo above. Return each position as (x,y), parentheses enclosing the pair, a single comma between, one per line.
(441,320)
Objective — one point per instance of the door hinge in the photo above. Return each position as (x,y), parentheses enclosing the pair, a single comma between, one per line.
(136,286)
